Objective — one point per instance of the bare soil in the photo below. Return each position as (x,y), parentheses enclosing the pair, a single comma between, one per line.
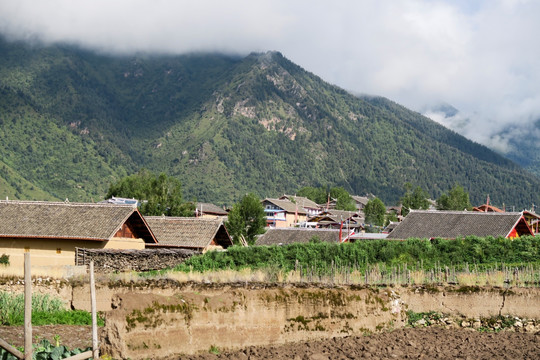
(71,336)
(424,343)
(408,343)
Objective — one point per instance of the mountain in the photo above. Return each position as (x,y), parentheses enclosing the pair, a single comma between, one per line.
(73,121)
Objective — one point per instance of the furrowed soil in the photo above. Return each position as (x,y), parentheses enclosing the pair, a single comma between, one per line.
(407,343)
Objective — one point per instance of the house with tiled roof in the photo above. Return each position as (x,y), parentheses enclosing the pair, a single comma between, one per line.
(335,219)
(200,234)
(311,207)
(209,210)
(286,236)
(360,201)
(283,213)
(455,224)
(51,231)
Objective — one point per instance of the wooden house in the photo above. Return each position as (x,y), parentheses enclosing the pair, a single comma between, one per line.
(309,206)
(335,219)
(200,234)
(50,231)
(208,210)
(454,224)
(283,213)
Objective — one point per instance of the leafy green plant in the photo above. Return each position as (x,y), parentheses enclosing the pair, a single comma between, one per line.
(214,350)
(44,350)
(4,259)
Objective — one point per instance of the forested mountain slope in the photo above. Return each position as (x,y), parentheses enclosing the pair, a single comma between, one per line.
(73,121)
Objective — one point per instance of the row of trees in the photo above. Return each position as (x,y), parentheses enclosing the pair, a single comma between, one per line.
(416,198)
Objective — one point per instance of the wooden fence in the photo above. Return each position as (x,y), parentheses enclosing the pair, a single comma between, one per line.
(524,275)
(27,355)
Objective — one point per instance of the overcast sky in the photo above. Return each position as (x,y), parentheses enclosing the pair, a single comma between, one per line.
(482,57)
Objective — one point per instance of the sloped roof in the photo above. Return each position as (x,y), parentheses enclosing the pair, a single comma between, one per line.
(286,236)
(64,220)
(287,205)
(336,216)
(454,224)
(487,208)
(360,199)
(187,232)
(209,208)
(301,201)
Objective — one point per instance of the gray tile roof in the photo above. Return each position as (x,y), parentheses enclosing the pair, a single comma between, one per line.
(287,205)
(301,201)
(64,220)
(187,232)
(454,224)
(209,208)
(286,236)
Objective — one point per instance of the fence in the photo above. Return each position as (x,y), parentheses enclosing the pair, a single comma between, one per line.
(523,275)
(27,355)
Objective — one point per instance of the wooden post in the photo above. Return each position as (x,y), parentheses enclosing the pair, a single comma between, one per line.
(95,349)
(27,308)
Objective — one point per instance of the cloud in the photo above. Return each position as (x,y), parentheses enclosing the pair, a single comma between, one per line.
(479,56)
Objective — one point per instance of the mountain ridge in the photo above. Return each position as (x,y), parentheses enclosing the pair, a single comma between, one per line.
(225,126)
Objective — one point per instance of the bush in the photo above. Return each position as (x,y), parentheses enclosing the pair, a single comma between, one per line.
(414,253)
(4,259)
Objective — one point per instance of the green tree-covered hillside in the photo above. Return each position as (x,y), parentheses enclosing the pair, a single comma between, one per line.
(73,122)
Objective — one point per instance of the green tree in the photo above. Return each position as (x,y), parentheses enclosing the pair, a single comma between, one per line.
(456,199)
(158,194)
(247,219)
(320,195)
(374,212)
(316,194)
(344,201)
(414,199)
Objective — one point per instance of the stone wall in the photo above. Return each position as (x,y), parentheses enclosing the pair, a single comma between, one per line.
(109,260)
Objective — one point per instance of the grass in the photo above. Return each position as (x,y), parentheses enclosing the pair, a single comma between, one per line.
(46,310)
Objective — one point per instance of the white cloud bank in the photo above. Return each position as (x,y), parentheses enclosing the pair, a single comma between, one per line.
(479,56)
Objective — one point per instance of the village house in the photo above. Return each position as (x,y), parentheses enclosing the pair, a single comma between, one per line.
(208,210)
(199,234)
(335,219)
(455,224)
(51,231)
(283,213)
(311,207)
(360,201)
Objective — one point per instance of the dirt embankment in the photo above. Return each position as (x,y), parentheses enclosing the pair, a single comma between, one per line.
(191,318)
(161,319)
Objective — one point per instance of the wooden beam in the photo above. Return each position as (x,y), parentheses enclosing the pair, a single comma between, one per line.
(27,308)
(10,349)
(95,348)
(82,356)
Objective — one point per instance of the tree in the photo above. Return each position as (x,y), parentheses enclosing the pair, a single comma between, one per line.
(157,194)
(414,199)
(320,195)
(456,199)
(247,219)
(374,212)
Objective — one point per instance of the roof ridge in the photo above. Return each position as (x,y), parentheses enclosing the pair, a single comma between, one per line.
(464,212)
(63,203)
(181,218)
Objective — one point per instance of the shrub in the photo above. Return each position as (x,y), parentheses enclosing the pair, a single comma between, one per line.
(4,259)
